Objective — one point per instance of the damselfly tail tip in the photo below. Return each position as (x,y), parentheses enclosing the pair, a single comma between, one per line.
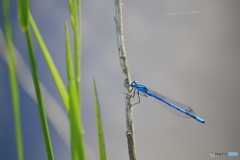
(202,121)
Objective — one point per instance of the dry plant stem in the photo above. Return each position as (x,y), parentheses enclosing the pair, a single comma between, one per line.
(126,77)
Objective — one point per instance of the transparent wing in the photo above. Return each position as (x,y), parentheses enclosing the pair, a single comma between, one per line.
(175,103)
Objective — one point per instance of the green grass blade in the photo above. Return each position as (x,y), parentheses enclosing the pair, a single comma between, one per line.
(58,81)
(39,96)
(102,151)
(75,9)
(77,46)
(13,79)
(23,6)
(76,128)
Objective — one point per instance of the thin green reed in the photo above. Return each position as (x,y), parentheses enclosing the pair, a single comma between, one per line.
(76,127)
(53,69)
(13,78)
(23,16)
(101,143)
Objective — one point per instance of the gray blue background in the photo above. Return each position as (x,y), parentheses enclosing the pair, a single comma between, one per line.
(186,50)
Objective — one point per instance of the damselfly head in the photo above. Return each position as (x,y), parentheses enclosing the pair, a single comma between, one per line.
(133,83)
